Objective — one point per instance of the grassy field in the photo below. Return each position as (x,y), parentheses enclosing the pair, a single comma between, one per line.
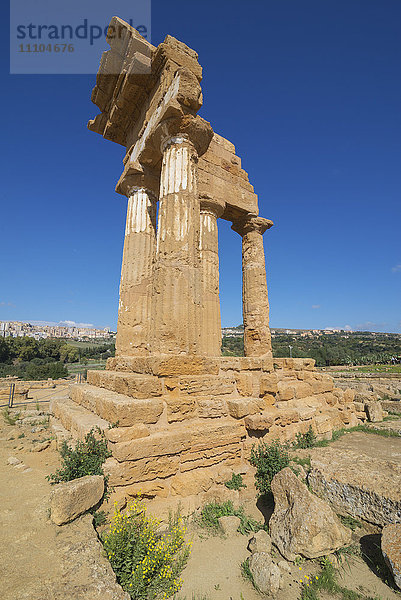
(94,364)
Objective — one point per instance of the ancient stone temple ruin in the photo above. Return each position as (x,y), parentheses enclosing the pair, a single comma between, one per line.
(183,416)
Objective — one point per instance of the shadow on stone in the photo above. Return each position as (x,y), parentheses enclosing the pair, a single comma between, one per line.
(372,555)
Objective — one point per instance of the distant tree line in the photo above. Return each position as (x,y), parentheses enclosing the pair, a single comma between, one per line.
(362,348)
(28,358)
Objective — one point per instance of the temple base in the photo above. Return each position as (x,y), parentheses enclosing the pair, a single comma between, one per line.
(181,425)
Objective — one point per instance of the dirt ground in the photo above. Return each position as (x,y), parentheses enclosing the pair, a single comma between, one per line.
(42,562)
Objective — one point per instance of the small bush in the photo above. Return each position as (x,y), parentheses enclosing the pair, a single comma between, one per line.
(350,522)
(306,440)
(268,460)
(9,418)
(247,573)
(86,458)
(147,563)
(235,483)
(209,517)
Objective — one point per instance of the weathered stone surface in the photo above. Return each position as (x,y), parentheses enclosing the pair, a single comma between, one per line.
(206,385)
(71,499)
(302,523)
(260,542)
(262,421)
(229,525)
(286,390)
(244,383)
(374,412)
(268,384)
(358,485)
(391,549)
(213,408)
(241,407)
(266,575)
(124,434)
(128,384)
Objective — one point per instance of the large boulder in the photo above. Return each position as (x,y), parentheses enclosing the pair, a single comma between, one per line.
(357,484)
(391,548)
(266,575)
(302,523)
(71,499)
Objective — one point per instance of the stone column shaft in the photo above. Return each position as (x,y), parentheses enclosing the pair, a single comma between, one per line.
(176,293)
(255,303)
(210,322)
(134,312)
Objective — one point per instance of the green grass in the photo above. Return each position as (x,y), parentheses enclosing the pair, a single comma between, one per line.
(210,514)
(326,581)
(303,462)
(247,573)
(379,369)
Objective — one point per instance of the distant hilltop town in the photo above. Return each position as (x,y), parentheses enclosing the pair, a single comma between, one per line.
(76,332)
(306,333)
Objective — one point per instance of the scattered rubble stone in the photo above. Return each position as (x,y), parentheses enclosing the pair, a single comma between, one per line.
(229,525)
(12,460)
(374,412)
(73,498)
(266,575)
(260,542)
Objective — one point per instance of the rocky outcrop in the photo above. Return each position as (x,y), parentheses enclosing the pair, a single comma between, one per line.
(358,485)
(391,548)
(71,499)
(303,524)
(266,575)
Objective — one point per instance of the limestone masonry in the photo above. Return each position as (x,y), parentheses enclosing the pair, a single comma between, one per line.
(183,416)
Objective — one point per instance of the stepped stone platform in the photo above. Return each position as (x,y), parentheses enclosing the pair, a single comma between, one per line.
(183,435)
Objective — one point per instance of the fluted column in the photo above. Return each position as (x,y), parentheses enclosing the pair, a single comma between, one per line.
(177,293)
(255,303)
(134,311)
(210,321)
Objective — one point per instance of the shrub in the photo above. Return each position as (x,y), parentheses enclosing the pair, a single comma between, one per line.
(306,440)
(147,563)
(209,517)
(268,460)
(86,458)
(235,483)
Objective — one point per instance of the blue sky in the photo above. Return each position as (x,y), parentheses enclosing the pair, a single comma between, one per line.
(308,91)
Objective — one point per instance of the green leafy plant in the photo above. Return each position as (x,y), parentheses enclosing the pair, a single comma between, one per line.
(303,462)
(350,522)
(235,483)
(99,518)
(86,458)
(306,440)
(210,514)
(268,460)
(147,563)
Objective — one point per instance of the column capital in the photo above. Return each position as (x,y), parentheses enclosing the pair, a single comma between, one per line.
(189,129)
(140,188)
(212,205)
(132,180)
(251,223)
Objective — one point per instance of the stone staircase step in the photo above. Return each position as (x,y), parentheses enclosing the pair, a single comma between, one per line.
(115,407)
(75,418)
(134,385)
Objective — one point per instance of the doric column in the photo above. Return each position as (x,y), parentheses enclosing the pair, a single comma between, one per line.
(255,303)
(210,321)
(134,311)
(177,293)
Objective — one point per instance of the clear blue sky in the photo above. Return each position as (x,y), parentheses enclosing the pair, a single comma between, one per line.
(310,94)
